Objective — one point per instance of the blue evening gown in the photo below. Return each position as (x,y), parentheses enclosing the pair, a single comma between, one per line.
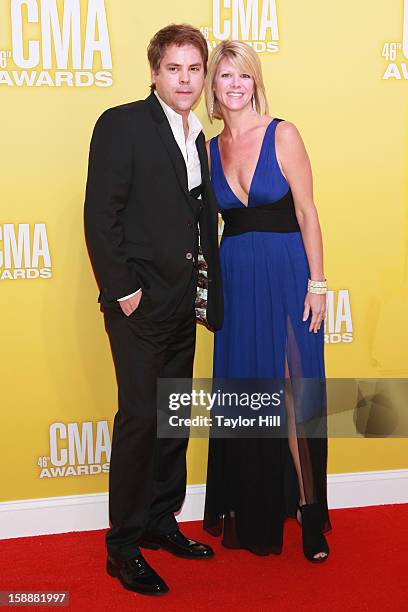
(251,484)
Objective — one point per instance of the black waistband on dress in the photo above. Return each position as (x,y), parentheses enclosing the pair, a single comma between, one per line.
(278,216)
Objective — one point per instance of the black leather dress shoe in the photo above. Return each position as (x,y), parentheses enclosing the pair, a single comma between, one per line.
(136,575)
(177,544)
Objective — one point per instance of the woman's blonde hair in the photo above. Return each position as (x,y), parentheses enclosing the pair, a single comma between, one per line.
(243,56)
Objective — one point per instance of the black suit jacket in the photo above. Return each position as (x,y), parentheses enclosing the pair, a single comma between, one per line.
(140,221)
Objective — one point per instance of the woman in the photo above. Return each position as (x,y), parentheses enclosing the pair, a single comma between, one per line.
(275,303)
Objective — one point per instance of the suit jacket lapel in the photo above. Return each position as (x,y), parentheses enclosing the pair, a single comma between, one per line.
(166,135)
(174,152)
(202,154)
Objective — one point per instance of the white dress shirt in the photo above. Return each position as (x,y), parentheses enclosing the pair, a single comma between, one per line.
(187,147)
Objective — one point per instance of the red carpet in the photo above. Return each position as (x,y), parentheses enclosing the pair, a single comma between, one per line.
(367,570)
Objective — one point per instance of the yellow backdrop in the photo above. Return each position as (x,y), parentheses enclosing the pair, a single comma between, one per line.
(337,70)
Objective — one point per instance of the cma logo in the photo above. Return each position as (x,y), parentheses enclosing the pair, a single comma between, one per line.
(338,326)
(253,21)
(77,449)
(24,251)
(57,35)
(62,40)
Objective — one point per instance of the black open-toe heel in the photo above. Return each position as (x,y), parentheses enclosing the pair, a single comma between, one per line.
(314,542)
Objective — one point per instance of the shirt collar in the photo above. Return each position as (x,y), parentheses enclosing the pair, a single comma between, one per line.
(176,120)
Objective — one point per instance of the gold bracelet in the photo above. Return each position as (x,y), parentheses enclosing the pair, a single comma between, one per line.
(318,291)
(318,287)
(321,283)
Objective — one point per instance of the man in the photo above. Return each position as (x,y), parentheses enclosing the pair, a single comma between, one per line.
(147,171)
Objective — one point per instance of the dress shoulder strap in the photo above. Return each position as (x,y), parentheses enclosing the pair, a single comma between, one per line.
(214,155)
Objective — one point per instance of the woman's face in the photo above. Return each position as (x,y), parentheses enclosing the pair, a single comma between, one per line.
(233,87)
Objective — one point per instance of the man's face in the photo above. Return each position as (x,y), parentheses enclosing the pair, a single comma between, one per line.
(180,78)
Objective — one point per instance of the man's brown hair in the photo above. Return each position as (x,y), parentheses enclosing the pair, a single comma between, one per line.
(174,34)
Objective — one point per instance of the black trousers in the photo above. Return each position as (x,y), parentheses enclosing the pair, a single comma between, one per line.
(147,479)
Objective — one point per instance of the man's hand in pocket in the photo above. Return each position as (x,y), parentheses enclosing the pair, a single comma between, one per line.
(131,304)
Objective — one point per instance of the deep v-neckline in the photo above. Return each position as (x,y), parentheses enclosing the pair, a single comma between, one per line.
(255,171)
